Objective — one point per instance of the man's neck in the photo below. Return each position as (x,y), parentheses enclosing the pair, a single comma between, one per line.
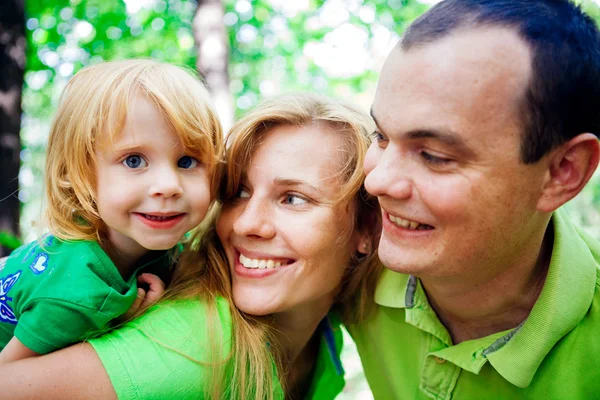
(471,310)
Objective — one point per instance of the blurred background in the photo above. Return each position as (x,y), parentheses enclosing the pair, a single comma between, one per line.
(245,50)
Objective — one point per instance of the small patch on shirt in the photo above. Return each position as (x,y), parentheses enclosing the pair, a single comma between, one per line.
(40,263)
(6,312)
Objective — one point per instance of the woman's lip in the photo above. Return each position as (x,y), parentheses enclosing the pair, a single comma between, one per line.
(261,256)
(254,273)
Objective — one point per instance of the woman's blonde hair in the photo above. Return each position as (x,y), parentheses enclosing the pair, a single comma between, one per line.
(204,271)
(94,106)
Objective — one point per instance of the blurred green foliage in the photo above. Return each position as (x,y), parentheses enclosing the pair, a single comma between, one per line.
(9,241)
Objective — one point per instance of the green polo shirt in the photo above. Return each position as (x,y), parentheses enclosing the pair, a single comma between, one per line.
(554,354)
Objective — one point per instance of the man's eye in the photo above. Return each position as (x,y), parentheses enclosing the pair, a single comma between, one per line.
(293,200)
(378,136)
(134,162)
(433,159)
(187,162)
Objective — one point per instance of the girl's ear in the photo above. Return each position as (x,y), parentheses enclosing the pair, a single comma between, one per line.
(570,168)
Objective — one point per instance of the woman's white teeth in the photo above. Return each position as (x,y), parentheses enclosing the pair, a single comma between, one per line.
(256,263)
(412,225)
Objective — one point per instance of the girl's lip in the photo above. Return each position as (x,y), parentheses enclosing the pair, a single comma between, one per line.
(160,214)
(171,222)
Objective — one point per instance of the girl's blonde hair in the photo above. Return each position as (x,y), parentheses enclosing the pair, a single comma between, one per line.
(94,105)
(204,271)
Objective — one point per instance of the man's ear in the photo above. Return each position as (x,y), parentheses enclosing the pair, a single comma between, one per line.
(570,168)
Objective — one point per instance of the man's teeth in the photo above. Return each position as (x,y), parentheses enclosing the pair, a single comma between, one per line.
(404,223)
(255,263)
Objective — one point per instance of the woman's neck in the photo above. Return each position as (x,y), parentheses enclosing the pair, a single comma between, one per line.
(297,338)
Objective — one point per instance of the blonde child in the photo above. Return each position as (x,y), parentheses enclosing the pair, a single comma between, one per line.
(131,167)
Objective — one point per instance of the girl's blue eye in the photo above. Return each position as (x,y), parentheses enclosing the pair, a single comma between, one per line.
(187,162)
(293,200)
(135,161)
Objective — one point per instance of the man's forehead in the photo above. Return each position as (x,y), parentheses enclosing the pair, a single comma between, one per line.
(478,69)
(494,47)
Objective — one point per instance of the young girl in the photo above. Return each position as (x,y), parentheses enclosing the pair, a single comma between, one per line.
(131,167)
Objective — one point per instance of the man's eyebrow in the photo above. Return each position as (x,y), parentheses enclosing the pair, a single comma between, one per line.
(373,116)
(295,182)
(447,137)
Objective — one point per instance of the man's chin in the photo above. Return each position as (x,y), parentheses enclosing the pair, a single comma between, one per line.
(399,260)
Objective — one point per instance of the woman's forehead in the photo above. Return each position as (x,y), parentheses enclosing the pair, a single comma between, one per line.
(315,151)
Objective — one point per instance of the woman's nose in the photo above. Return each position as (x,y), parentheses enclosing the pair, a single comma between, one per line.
(256,219)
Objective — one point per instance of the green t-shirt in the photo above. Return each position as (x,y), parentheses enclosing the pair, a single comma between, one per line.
(166,353)
(54,293)
(554,354)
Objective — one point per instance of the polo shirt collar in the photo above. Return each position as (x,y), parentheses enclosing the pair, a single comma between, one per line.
(565,299)
(515,354)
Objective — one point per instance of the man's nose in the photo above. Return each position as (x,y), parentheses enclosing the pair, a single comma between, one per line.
(386,176)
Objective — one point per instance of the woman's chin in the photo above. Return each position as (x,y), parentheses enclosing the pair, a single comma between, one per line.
(253,306)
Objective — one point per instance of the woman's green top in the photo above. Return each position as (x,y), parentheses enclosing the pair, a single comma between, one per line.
(168,352)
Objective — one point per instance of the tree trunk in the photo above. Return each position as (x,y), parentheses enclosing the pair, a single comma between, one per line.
(212,46)
(12,64)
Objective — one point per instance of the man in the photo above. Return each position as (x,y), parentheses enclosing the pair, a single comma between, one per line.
(488,113)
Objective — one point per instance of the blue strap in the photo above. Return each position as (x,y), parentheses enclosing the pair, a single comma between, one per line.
(325,326)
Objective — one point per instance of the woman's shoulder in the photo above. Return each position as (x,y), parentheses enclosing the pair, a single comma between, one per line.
(193,314)
(169,350)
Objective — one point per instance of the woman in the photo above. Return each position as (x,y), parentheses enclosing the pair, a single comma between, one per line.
(296,239)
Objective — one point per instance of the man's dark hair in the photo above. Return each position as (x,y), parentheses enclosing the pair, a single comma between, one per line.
(563,97)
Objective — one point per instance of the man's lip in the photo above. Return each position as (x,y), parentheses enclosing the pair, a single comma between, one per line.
(387,214)
(387,219)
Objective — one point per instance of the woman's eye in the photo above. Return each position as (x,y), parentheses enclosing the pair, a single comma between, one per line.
(134,162)
(433,159)
(293,200)
(187,162)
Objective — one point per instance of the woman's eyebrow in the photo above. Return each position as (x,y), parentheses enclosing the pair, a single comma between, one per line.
(296,182)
